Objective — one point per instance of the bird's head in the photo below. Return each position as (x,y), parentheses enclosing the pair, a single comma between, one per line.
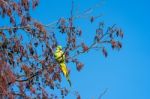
(59,47)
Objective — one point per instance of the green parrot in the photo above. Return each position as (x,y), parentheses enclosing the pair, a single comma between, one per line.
(60,58)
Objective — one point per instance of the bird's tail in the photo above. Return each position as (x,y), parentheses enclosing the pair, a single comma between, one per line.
(68,79)
(65,72)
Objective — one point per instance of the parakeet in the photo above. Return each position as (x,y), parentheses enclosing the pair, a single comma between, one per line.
(60,58)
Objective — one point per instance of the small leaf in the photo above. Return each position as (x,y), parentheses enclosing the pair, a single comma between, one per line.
(104,52)
(85,47)
(79,66)
(92,19)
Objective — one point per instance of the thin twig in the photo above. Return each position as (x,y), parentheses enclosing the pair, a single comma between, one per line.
(102,94)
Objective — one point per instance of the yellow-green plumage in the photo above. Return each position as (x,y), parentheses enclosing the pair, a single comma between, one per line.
(60,58)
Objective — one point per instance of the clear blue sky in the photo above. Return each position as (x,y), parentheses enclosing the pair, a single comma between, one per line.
(125,73)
